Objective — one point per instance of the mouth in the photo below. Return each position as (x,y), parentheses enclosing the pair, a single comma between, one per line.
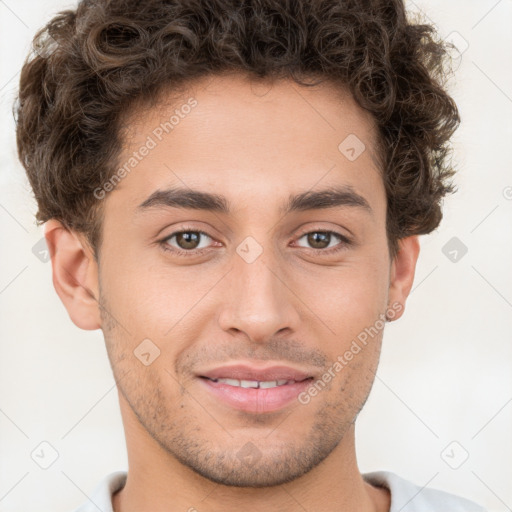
(256,384)
(255,390)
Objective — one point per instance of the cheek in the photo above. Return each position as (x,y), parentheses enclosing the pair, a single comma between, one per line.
(155,300)
(133,283)
(346,298)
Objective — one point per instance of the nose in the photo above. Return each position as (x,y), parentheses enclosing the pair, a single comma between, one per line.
(258,300)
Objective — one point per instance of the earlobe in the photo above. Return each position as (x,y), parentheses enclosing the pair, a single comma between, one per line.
(75,274)
(402,272)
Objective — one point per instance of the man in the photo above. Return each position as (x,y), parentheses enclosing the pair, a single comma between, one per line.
(233,192)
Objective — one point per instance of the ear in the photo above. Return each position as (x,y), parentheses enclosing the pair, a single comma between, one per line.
(402,271)
(75,274)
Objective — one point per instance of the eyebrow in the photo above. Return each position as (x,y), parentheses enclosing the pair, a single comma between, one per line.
(187,198)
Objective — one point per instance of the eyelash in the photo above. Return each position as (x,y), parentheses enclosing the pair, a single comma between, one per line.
(344,242)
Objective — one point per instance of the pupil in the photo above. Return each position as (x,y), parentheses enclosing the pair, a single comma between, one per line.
(188,239)
(319,237)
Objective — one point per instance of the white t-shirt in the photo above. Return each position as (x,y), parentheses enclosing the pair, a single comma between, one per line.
(405,496)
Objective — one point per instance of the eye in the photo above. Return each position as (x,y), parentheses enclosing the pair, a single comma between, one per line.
(186,241)
(322,240)
(190,242)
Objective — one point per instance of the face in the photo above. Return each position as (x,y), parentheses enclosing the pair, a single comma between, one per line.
(277,273)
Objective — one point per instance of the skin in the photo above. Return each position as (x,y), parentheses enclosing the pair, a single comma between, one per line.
(256,144)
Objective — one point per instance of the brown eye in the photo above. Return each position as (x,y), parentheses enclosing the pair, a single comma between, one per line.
(319,239)
(325,241)
(187,240)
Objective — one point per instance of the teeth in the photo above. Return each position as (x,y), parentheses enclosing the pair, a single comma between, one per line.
(231,382)
(270,384)
(254,383)
(248,384)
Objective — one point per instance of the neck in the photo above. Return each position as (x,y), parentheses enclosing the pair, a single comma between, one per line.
(157,481)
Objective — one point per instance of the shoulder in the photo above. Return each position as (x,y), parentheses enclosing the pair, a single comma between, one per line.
(409,497)
(101,496)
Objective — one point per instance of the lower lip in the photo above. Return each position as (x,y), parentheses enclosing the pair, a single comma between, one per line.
(256,400)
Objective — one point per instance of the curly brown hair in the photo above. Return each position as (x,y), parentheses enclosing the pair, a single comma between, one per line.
(91,64)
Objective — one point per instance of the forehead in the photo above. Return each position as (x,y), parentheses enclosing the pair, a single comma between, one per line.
(246,138)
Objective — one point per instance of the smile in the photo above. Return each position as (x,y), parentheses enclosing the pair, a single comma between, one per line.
(254,396)
(254,383)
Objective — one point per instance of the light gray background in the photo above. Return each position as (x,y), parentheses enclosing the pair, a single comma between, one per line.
(445,372)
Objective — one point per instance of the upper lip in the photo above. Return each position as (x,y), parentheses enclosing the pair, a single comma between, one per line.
(248,372)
